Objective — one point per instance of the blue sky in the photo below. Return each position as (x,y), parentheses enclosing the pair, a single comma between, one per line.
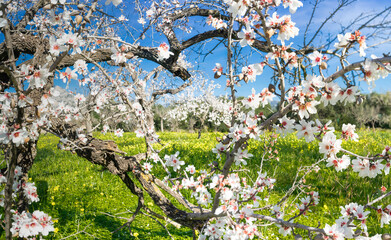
(301,18)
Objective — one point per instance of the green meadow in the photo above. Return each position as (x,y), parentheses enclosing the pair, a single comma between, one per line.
(88,202)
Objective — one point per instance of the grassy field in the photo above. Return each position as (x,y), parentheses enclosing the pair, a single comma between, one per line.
(80,195)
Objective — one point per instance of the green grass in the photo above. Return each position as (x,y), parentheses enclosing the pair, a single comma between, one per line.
(78,194)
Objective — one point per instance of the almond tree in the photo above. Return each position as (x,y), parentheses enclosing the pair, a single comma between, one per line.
(49,40)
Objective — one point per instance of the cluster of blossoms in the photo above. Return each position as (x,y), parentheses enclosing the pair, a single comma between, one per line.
(26,225)
(247,36)
(72,41)
(284,24)
(250,72)
(164,52)
(254,100)
(174,161)
(239,8)
(374,71)
(344,228)
(37,78)
(305,96)
(215,22)
(119,55)
(281,52)
(346,41)
(316,58)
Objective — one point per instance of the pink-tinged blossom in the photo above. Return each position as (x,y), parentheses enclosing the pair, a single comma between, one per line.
(361,41)
(174,161)
(215,22)
(81,67)
(147,167)
(316,58)
(286,126)
(330,146)
(241,155)
(105,128)
(139,133)
(366,168)
(218,70)
(237,132)
(385,215)
(284,230)
(114,2)
(330,94)
(26,225)
(338,163)
(68,74)
(23,100)
(213,231)
(343,40)
(252,71)
(247,36)
(252,101)
(55,47)
(334,231)
(220,148)
(305,109)
(118,56)
(119,132)
(238,9)
(72,40)
(292,4)
(371,71)
(80,97)
(342,224)
(323,128)
(39,77)
(348,132)
(349,95)
(18,137)
(285,26)
(30,191)
(141,21)
(266,97)
(306,130)
(190,169)
(150,13)
(82,138)
(164,52)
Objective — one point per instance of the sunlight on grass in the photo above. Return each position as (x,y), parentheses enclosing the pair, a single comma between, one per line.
(78,194)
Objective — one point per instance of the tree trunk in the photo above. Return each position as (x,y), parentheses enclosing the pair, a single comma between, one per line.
(161,125)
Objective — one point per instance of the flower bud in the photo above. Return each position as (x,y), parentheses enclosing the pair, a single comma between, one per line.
(217,75)
(47,7)
(270,33)
(245,78)
(271,88)
(359,100)
(323,65)
(78,19)
(80,6)
(129,55)
(386,236)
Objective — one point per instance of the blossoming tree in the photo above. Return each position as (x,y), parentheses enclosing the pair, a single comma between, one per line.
(46,41)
